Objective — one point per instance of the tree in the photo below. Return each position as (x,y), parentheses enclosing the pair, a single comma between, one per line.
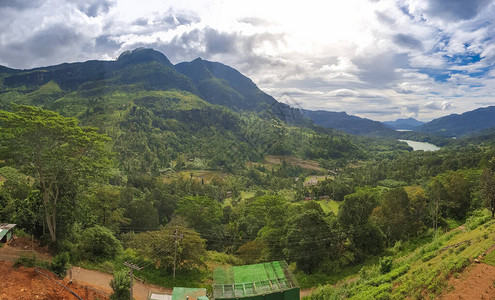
(107,208)
(488,189)
(437,196)
(59,154)
(394,215)
(308,240)
(158,246)
(459,194)
(354,217)
(99,242)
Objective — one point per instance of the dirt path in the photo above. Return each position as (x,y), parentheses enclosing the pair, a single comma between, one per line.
(305,292)
(30,283)
(9,253)
(101,281)
(476,282)
(97,280)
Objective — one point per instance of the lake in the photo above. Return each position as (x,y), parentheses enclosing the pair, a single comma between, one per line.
(421,145)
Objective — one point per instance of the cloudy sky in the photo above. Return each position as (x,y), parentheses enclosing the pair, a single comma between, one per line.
(380,59)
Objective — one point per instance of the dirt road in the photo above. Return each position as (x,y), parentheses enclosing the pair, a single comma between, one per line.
(101,281)
(98,280)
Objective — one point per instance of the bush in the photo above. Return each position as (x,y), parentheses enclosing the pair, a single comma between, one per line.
(120,285)
(477,218)
(60,264)
(27,261)
(99,242)
(385,264)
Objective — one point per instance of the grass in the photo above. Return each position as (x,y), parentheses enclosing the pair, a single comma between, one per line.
(490,259)
(329,206)
(206,175)
(422,272)
(345,274)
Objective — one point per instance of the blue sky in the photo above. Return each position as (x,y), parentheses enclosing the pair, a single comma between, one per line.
(380,59)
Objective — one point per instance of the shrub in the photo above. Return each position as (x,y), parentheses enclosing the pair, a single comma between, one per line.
(385,264)
(27,261)
(120,285)
(60,264)
(477,218)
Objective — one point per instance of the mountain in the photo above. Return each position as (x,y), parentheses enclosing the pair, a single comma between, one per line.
(142,67)
(350,124)
(222,85)
(158,114)
(407,124)
(457,125)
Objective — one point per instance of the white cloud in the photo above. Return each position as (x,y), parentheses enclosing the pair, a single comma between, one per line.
(401,57)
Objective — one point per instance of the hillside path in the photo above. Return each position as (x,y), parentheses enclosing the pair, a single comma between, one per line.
(97,280)
(101,281)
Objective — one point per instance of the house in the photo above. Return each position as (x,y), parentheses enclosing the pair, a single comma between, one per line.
(266,281)
(6,232)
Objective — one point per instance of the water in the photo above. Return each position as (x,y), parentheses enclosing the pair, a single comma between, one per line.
(421,145)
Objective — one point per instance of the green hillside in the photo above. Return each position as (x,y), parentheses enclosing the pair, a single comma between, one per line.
(107,161)
(419,272)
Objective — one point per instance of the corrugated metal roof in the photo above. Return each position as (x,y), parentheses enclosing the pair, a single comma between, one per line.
(160,296)
(7,226)
(181,293)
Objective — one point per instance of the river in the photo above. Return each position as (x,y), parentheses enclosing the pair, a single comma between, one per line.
(421,145)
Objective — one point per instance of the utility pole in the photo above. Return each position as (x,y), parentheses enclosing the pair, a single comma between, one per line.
(176,236)
(131,268)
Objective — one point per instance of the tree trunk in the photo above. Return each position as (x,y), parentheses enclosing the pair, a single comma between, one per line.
(49,216)
(51,227)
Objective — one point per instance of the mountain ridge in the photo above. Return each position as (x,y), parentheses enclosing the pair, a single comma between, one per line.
(348,123)
(456,125)
(408,124)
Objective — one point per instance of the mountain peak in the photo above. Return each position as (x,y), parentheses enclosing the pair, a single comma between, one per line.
(408,124)
(143,55)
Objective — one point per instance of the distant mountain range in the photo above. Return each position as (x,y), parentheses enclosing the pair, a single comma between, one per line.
(349,124)
(407,124)
(216,83)
(456,125)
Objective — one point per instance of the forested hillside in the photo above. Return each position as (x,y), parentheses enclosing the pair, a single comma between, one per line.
(111,161)
(456,125)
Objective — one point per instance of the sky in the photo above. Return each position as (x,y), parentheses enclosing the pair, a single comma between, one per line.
(378,59)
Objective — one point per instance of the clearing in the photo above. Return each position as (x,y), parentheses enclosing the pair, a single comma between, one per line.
(275,160)
(29,283)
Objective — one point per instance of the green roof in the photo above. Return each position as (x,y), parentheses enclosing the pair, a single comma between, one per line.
(181,293)
(252,280)
(3,232)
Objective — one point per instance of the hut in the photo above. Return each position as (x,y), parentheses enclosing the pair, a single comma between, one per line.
(6,232)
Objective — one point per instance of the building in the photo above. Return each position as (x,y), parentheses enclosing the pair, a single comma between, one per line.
(180,293)
(6,232)
(266,281)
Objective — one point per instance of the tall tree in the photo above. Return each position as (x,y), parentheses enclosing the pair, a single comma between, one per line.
(308,239)
(394,215)
(488,189)
(354,217)
(56,151)
(437,195)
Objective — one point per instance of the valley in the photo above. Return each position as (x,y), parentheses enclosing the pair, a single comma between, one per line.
(180,169)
